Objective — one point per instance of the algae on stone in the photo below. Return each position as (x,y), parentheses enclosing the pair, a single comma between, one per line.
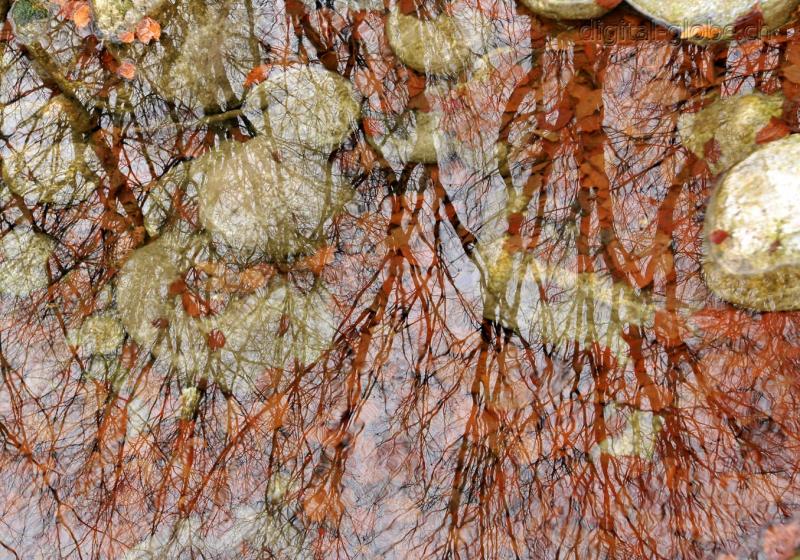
(733,124)
(752,230)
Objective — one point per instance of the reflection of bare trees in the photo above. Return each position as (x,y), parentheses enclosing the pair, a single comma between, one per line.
(523,363)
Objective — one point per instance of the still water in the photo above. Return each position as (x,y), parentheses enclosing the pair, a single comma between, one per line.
(285,279)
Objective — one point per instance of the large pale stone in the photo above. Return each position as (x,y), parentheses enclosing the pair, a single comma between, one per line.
(45,160)
(752,230)
(713,19)
(733,123)
(566,9)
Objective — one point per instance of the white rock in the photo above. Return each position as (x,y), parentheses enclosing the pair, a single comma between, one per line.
(752,230)
(689,16)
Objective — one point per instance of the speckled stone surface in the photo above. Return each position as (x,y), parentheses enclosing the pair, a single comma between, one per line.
(566,9)
(752,230)
(733,123)
(722,15)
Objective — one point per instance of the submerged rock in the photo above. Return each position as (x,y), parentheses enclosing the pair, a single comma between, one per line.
(228,335)
(23,261)
(438,45)
(552,304)
(304,105)
(30,18)
(566,9)
(715,19)
(99,334)
(46,160)
(732,125)
(113,17)
(413,136)
(638,438)
(260,204)
(752,230)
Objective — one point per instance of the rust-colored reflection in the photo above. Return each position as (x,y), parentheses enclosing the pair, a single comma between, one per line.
(469,322)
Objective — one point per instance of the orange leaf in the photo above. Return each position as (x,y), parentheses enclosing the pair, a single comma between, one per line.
(775,130)
(82,15)
(126,69)
(257,75)
(147,30)
(126,37)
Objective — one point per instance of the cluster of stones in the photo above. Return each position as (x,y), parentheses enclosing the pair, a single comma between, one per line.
(700,20)
(262,203)
(752,226)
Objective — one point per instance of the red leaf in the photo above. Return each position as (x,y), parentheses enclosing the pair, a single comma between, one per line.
(257,75)
(718,236)
(712,151)
(215,339)
(608,4)
(775,130)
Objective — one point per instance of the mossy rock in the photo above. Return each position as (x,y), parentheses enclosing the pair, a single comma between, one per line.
(732,124)
(752,230)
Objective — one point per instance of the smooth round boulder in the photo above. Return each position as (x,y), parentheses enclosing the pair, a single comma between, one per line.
(733,124)
(566,9)
(715,19)
(752,230)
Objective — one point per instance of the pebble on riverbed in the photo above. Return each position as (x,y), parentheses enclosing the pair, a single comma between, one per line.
(725,132)
(715,20)
(566,9)
(440,45)
(752,231)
